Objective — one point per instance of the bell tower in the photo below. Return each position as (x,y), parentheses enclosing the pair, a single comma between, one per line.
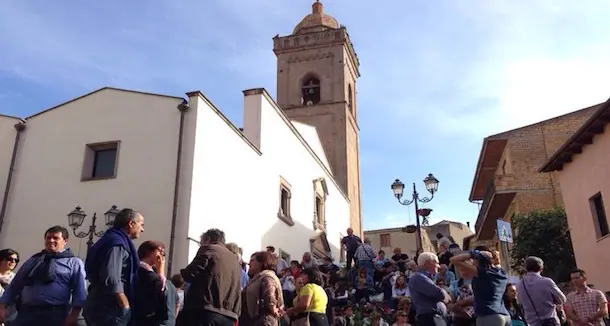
(317,69)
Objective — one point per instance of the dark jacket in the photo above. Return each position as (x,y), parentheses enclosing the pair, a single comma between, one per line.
(215,278)
(151,304)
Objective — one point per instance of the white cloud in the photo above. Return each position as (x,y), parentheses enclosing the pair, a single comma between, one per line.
(525,62)
(538,88)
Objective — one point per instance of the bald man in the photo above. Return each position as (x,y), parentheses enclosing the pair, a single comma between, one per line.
(351,243)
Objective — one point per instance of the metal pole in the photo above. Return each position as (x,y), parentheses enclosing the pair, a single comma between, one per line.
(91,233)
(417,225)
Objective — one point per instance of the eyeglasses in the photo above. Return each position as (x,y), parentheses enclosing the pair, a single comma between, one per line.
(12,260)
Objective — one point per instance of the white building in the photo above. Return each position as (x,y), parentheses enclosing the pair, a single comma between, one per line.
(269,184)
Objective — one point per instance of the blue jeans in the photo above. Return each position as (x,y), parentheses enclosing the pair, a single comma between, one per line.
(105,313)
(41,315)
(119,317)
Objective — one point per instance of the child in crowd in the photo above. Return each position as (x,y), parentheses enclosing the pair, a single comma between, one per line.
(363,282)
(341,294)
(401,318)
(288,287)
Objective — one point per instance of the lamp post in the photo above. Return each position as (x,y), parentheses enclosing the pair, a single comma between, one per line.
(431,184)
(77,217)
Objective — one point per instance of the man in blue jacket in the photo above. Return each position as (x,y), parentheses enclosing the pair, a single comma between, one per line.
(112,268)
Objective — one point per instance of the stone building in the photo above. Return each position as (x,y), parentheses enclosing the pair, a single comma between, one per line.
(507,181)
(583,169)
(456,230)
(388,239)
(317,69)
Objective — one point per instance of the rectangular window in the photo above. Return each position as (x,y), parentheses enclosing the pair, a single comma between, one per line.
(319,210)
(104,163)
(285,197)
(385,240)
(101,160)
(599,215)
(285,202)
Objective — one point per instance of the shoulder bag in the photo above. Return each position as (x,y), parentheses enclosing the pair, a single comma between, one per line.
(543,322)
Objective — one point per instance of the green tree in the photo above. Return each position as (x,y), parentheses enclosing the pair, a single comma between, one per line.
(544,234)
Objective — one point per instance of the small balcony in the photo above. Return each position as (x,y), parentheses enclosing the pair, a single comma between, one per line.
(498,197)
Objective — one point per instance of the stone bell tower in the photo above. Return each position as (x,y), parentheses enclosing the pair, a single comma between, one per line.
(317,69)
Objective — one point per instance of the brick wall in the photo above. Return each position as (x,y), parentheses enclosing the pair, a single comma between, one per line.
(528,148)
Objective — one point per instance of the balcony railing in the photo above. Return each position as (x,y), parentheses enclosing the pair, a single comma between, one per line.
(489,193)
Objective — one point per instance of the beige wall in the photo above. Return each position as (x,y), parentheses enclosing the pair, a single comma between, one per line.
(7,143)
(585,176)
(457,230)
(47,182)
(405,241)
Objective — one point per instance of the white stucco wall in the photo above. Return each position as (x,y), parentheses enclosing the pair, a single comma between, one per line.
(47,182)
(237,189)
(7,143)
(229,180)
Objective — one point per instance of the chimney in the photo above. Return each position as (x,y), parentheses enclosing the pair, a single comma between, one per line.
(468,224)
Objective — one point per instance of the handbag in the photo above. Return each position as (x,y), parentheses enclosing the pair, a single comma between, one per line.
(543,322)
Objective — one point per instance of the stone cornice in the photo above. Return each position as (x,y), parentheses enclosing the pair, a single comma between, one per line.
(300,42)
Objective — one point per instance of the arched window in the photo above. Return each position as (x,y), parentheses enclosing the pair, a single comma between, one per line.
(310,89)
(349,96)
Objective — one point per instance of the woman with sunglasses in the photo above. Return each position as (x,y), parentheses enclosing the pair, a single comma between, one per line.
(9,259)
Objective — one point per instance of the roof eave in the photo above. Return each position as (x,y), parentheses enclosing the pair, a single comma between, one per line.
(564,154)
(478,170)
(485,151)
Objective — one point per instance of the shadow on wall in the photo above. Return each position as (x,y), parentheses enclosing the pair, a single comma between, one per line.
(294,241)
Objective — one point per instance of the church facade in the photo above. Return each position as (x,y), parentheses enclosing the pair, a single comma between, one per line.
(288,178)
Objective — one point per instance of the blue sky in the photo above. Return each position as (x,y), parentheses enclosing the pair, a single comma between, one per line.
(437,76)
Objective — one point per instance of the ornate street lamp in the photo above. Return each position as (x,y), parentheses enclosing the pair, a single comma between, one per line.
(77,217)
(398,188)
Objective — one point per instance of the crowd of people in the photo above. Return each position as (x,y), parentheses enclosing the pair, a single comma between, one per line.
(120,284)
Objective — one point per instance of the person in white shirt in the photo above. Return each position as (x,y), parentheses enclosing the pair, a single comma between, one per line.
(288,287)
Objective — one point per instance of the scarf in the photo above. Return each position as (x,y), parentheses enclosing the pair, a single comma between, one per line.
(96,256)
(6,279)
(43,266)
